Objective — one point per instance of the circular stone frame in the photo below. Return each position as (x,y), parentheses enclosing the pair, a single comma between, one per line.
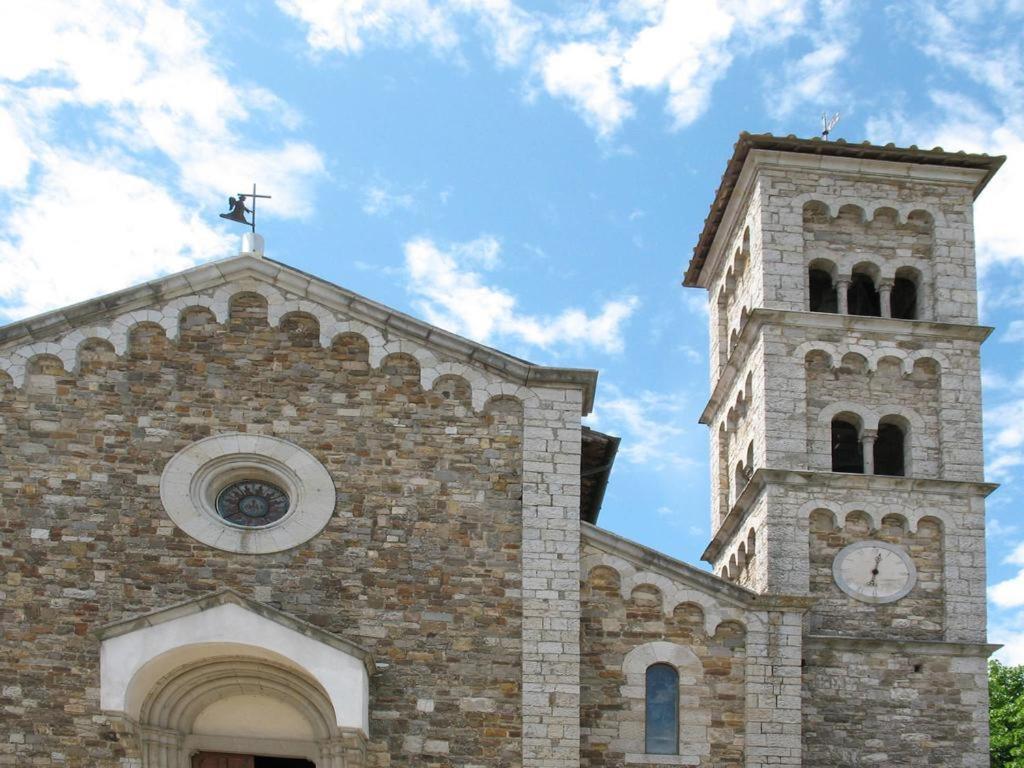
(193,478)
(852,591)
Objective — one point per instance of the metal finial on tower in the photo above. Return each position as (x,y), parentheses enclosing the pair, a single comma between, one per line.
(828,123)
(251,242)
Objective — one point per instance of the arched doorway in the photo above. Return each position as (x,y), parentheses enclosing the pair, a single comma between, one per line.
(224,682)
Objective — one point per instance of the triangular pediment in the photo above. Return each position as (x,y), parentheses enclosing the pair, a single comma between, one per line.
(225,630)
(181,612)
(287,290)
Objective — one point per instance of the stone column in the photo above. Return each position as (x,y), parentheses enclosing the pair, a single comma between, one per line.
(842,286)
(551,580)
(867,445)
(885,297)
(774,684)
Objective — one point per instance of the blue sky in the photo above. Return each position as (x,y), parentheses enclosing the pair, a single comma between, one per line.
(532,175)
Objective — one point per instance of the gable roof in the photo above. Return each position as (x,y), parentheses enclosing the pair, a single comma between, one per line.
(816,146)
(50,325)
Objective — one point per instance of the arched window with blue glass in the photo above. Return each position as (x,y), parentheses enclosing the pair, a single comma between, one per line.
(661,717)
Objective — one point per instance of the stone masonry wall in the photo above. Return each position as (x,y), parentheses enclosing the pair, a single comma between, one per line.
(421,563)
(883,704)
(885,391)
(933,230)
(811,367)
(918,616)
(949,516)
(712,732)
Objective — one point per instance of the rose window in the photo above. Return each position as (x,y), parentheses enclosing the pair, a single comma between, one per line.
(252,503)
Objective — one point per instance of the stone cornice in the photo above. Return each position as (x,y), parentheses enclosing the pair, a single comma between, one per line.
(228,596)
(208,276)
(926,647)
(827,482)
(889,327)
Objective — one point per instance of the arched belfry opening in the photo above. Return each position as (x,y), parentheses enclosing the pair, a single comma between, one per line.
(823,296)
(847,453)
(890,449)
(224,682)
(862,296)
(903,300)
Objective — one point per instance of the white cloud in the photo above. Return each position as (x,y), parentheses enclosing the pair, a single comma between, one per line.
(596,58)
(144,91)
(1014,331)
(347,25)
(809,79)
(16,157)
(1008,593)
(680,520)
(997,530)
(650,424)
(586,75)
(684,52)
(380,200)
(1012,652)
(959,122)
(452,294)
(90,229)
(512,29)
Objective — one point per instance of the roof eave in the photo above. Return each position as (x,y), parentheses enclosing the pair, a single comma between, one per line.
(990,164)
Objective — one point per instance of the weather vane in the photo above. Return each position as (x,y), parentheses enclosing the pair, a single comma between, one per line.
(239,209)
(827,124)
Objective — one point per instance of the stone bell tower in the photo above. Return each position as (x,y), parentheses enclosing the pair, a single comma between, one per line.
(845,408)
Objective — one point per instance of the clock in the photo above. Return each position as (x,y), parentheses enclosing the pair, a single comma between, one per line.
(874,571)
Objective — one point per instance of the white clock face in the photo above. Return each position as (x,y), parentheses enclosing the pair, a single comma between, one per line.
(874,571)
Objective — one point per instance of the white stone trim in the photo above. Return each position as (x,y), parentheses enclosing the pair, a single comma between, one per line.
(189,480)
(158,677)
(132,663)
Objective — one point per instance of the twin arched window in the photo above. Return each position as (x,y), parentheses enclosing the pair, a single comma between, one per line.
(887,451)
(661,710)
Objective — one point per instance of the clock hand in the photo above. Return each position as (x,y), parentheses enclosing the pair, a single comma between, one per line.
(874,571)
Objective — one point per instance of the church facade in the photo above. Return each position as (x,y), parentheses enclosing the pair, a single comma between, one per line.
(251,519)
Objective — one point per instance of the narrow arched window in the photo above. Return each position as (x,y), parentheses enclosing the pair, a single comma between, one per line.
(889,450)
(823,296)
(862,297)
(847,455)
(903,302)
(661,718)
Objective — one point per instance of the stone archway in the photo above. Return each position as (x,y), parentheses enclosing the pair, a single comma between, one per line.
(225,674)
(241,704)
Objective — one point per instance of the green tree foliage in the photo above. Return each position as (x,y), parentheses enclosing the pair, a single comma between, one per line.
(1006,715)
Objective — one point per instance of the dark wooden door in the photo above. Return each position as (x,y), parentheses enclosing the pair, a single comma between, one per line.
(220,760)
